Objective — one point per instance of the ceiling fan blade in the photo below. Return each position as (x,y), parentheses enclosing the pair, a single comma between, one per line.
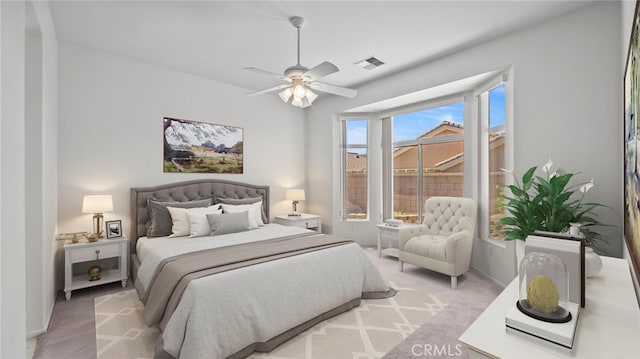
(265,72)
(336,90)
(322,70)
(270,89)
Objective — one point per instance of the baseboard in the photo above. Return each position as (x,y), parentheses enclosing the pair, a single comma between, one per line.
(31,347)
(489,277)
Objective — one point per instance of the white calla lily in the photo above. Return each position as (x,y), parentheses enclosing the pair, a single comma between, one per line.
(587,186)
(547,166)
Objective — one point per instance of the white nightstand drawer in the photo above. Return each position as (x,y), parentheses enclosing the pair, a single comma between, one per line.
(308,223)
(95,252)
(304,220)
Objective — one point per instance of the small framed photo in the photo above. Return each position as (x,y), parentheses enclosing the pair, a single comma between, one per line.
(114,228)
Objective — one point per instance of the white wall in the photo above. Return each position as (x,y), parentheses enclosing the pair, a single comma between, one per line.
(568,96)
(41,165)
(12,177)
(111,112)
(28,186)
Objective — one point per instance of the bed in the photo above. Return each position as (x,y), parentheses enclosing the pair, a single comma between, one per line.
(233,292)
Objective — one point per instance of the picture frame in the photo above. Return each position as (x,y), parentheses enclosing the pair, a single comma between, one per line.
(202,147)
(113,229)
(631,125)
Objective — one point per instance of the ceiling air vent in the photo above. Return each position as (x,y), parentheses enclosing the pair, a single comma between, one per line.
(369,63)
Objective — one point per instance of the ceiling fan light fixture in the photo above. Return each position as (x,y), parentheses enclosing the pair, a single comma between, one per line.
(285,95)
(311,96)
(297,101)
(300,79)
(299,91)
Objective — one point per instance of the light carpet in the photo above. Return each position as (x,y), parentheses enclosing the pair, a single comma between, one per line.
(367,331)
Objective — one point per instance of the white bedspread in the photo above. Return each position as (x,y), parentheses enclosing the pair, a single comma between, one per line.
(222,314)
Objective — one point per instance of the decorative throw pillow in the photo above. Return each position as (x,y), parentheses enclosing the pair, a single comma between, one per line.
(251,208)
(181,224)
(228,222)
(260,215)
(161,219)
(198,223)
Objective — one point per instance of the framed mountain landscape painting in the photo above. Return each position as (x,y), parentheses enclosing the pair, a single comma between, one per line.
(632,145)
(200,147)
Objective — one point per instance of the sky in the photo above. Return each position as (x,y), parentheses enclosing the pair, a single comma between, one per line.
(412,125)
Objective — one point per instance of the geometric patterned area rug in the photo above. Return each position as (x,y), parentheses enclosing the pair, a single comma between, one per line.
(120,329)
(367,331)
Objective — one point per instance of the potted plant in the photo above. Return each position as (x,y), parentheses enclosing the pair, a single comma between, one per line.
(549,203)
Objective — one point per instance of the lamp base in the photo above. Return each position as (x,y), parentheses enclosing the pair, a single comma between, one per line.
(97,225)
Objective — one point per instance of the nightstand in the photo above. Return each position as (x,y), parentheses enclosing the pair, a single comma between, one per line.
(95,251)
(389,234)
(304,220)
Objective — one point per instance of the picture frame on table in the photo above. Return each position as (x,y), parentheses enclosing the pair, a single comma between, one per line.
(114,229)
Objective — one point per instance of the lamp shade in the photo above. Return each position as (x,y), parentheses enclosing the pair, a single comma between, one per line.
(295,195)
(97,204)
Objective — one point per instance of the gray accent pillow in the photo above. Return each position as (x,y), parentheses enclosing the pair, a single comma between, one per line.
(161,218)
(228,222)
(248,200)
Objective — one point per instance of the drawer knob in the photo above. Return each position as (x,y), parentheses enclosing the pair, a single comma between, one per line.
(97,254)
(306,224)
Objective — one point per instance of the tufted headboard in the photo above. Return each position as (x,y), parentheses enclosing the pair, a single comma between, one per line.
(188,191)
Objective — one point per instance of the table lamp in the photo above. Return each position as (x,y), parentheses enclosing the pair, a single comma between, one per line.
(97,204)
(295,195)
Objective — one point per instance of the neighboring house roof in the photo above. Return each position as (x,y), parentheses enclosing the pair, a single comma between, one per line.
(444,165)
(445,126)
(356,162)
(443,129)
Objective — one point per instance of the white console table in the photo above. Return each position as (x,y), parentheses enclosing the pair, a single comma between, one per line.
(608,325)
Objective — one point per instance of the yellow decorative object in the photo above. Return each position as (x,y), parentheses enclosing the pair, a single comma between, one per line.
(94,273)
(542,294)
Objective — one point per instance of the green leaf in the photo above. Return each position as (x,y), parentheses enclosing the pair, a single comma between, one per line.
(526,178)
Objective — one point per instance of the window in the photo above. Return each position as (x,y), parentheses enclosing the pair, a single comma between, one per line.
(392,159)
(427,158)
(492,114)
(355,167)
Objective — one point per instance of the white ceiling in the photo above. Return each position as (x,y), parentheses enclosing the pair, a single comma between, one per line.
(216,39)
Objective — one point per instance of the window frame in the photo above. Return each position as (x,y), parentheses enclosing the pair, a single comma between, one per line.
(387,161)
(482,106)
(343,119)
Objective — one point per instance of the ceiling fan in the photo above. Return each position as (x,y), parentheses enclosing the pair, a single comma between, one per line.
(301,80)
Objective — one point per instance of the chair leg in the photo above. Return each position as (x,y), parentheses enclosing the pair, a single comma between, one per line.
(401,263)
(454,282)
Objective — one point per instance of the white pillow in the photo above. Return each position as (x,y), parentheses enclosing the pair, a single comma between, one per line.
(251,210)
(180,222)
(198,224)
(181,225)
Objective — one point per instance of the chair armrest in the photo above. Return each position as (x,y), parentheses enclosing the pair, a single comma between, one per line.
(460,244)
(408,232)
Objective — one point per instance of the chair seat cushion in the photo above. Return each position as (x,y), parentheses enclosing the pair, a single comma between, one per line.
(428,245)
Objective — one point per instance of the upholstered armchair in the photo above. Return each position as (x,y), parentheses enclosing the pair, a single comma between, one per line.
(443,241)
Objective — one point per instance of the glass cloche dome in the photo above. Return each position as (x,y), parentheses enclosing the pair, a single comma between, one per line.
(544,288)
